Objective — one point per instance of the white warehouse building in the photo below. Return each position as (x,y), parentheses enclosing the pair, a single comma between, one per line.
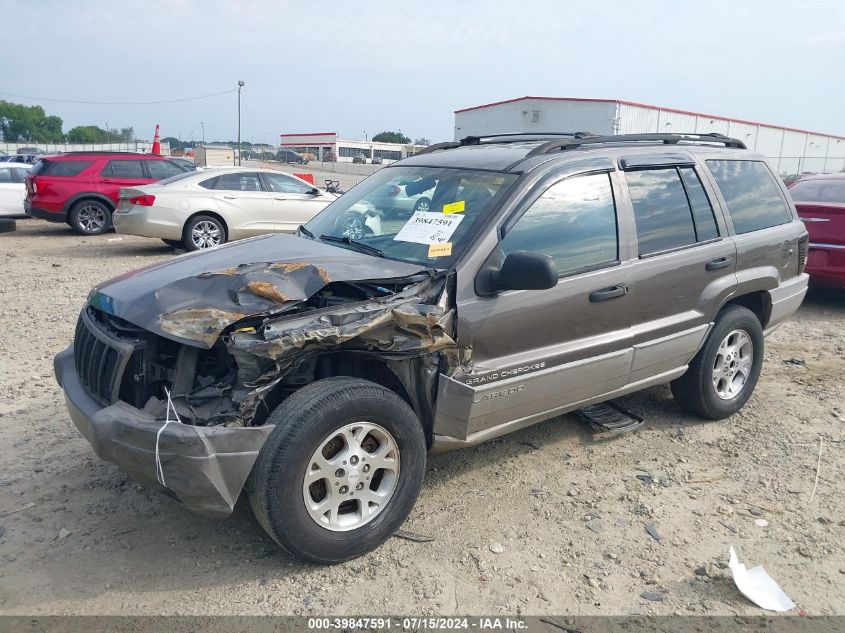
(326,146)
(789,150)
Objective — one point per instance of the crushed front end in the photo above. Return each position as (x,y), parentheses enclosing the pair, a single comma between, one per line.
(227,365)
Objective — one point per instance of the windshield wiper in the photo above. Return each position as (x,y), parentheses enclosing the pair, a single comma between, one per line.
(364,248)
(305,232)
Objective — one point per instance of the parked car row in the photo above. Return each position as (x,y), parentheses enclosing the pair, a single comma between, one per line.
(82,188)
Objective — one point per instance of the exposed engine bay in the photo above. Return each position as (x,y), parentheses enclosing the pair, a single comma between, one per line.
(254,362)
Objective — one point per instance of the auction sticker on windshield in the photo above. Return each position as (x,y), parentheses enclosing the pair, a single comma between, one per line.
(426,227)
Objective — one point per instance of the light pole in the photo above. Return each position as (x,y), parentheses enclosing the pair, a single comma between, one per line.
(240,85)
(203,131)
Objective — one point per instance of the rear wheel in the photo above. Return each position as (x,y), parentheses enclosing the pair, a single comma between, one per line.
(722,376)
(423,204)
(341,470)
(90,217)
(204,231)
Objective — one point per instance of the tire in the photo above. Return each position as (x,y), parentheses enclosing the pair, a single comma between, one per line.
(311,419)
(202,232)
(423,204)
(7,225)
(351,224)
(715,386)
(90,217)
(174,243)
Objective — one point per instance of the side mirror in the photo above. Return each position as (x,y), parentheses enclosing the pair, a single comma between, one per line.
(523,270)
(314,191)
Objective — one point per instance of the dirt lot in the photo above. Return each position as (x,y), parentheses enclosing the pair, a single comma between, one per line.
(565,511)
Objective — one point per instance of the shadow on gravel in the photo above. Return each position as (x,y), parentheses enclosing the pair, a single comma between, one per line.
(823,304)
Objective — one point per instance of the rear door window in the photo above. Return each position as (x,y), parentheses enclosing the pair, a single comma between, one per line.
(661,210)
(753,197)
(573,221)
(161,169)
(702,210)
(5,176)
(19,175)
(124,169)
(239,181)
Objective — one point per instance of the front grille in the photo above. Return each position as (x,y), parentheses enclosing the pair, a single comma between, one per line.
(100,359)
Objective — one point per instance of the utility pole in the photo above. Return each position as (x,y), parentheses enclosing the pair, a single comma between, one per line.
(240,85)
(203,131)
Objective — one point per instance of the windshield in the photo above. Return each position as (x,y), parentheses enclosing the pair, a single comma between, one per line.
(818,191)
(423,215)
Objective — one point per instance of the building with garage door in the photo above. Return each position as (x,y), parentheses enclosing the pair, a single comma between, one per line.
(326,146)
(789,150)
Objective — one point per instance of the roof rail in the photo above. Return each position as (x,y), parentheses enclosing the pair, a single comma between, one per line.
(509,137)
(666,139)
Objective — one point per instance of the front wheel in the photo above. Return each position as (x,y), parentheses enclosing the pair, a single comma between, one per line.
(341,470)
(722,376)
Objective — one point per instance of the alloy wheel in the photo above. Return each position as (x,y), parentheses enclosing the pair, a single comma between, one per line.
(351,476)
(206,234)
(732,365)
(91,218)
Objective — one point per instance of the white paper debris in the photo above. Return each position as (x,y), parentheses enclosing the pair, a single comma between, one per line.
(761,523)
(756,585)
(426,227)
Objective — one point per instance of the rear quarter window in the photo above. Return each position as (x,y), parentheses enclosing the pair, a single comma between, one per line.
(59,167)
(753,197)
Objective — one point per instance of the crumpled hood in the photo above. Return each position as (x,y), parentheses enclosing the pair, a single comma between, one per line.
(193,298)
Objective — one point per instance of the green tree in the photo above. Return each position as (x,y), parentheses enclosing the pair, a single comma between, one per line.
(391,137)
(422,141)
(88,134)
(28,124)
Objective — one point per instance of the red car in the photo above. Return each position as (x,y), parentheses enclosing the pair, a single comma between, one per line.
(820,201)
(81,188)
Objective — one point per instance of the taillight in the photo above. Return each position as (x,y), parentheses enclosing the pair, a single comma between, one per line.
(31,186)
(394,190)
(803,247)
(143,201)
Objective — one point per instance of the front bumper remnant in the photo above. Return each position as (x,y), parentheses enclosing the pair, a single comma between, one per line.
(205,468)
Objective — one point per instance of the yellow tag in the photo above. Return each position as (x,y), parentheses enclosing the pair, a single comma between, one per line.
(440,250)
(455,207)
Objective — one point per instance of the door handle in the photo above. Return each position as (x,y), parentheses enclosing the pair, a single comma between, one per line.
(611,292)
(719,262)
(230,197)
(279,198)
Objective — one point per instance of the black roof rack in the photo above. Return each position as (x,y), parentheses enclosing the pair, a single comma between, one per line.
(666,139)
(510,137)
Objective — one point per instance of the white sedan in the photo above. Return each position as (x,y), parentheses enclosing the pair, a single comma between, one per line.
(204,209)
(12,188)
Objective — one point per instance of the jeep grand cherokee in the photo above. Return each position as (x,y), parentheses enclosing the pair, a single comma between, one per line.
(549,274)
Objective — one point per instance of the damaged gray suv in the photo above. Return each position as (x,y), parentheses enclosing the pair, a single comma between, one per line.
(549,274)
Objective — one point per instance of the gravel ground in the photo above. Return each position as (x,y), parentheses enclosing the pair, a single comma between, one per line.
(551,519)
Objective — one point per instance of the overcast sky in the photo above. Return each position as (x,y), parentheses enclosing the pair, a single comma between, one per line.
(351,67)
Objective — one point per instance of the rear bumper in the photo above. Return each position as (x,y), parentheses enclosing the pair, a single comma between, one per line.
(785,300)
(205,468)
(44,214)
(160,222)
(826,264)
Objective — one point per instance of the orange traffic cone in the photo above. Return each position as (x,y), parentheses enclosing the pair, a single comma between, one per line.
(156,143)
